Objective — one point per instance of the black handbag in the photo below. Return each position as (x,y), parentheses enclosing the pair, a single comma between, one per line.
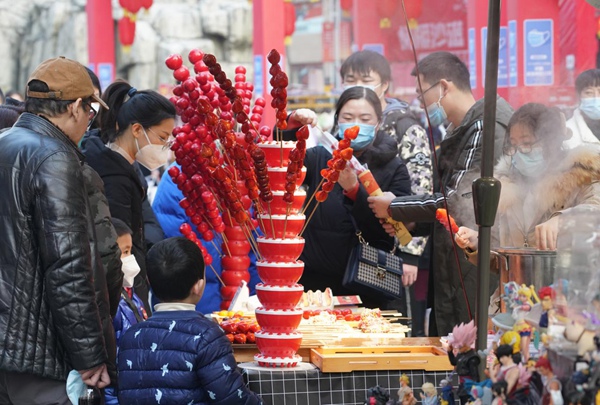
(374,272)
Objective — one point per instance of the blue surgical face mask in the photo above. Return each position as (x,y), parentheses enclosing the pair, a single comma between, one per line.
(365,137)
(436,112)
(530,164)
(591,107)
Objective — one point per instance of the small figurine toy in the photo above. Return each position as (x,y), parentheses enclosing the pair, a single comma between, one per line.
(476,394)
(551,394)
(465,359)
(405,393)
(499,393)
(447,395)
(547,297)
(429,394)
(513,339)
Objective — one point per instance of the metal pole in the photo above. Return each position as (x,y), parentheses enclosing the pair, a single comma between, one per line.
(337,17)
(486,190)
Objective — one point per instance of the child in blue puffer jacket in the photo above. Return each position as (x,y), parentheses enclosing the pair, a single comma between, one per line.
(178,356)
(131,307)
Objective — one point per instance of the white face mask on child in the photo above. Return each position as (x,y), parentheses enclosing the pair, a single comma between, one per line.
(130,269)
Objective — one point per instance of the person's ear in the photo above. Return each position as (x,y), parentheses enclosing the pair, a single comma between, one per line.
(137,130)
(385,86)
(445,86)
(77,108)
(198,288)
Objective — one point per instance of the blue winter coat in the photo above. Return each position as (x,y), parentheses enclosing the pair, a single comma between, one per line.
(171,216)
(179,358)
(122,321)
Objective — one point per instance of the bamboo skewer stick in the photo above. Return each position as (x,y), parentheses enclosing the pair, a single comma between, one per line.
(217,274)
(313,195)
(253,245)
(271,220)
(309,218)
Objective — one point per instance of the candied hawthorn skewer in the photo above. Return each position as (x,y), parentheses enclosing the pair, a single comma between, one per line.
(446,220)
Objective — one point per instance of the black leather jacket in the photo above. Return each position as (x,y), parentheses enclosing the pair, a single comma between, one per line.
(49,319)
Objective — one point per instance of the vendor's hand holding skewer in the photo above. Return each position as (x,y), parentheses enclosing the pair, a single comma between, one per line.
(466,238)
(303,116)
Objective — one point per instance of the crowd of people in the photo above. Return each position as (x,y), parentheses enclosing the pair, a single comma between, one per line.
(85,255)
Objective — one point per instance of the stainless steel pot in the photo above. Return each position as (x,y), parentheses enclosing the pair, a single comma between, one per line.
(526,266)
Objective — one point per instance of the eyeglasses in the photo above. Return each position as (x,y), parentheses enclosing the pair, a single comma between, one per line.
(510,150)
(420,96)
(91,114)
(166,142)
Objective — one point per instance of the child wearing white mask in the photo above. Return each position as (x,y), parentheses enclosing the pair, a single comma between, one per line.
(131,308)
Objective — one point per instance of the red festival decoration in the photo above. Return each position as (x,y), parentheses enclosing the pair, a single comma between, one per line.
(289,17)
(126,31)
(126,24)
(346,5)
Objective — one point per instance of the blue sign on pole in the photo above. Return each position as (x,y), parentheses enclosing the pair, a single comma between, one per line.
(472,58)
(259,76)
(105,74)
(502,56)
(538,51)
(513,71)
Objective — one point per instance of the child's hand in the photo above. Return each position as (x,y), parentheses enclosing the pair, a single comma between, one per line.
(466,238)
(303,116)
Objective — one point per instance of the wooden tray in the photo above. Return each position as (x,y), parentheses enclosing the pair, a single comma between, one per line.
(244,353)
(347,359)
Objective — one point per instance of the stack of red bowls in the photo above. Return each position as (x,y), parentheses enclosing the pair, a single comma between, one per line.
(279,269)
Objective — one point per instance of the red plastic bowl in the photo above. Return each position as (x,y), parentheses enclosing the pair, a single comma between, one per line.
(278,320)
(280,250)
(292,223)
(277,177)
(279,297)
(273,151)
(280,207)
(234,278)
(235,233)
(237,263)
(278,344)
(275,273)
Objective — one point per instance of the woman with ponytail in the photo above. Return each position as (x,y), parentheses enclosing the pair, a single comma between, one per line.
(137,127)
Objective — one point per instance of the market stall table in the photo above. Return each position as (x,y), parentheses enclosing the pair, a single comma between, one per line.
(306,384)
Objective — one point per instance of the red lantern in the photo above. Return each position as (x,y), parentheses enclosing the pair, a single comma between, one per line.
(126,31)
(346,5)
(289,17)
(147,4)
(135,6)
(126,4)
(387,8)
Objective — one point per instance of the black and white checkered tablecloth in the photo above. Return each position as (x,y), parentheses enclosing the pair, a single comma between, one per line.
(306,385)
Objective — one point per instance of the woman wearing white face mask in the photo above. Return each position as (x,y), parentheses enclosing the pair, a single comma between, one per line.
(540,180)
(585,123)
(136,128)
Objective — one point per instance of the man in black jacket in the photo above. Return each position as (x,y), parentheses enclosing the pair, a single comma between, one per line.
(49,318)
(446,93)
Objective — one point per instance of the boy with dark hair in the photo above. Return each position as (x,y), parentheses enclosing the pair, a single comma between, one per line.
(178,356)
(446,94)
(371,69)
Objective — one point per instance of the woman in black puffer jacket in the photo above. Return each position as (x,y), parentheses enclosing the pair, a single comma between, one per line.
(330,234)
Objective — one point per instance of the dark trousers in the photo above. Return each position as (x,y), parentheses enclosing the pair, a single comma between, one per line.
(21,389)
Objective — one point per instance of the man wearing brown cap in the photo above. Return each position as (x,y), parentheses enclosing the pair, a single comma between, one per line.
(49,321)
